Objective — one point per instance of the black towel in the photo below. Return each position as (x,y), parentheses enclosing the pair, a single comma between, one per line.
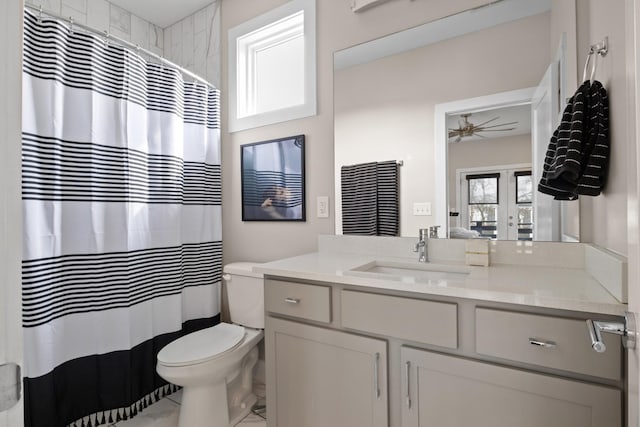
(360,199)
(596,154)
(370,199)
(577,158)
(388,209)
(562,163)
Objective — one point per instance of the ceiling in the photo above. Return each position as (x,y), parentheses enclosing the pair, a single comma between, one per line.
(520,114)
(165,13)
(486,16)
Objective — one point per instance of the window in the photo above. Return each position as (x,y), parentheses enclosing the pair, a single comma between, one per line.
(272,68)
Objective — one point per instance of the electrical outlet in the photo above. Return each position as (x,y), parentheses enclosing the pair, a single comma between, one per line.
(323,206)
(422,209)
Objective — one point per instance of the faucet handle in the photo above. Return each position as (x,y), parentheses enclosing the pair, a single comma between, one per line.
(423,233)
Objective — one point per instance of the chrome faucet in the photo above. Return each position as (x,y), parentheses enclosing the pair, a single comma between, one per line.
(422,247)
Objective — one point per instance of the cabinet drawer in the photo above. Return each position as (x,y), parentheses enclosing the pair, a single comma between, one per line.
(553,342)
(427,322)
(310,302)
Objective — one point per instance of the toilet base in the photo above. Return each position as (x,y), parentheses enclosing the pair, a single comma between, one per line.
(220,404)
(238,413)
(208,406)
(204,406)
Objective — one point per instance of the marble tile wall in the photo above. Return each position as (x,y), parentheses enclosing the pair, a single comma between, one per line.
(194,43)
(102,15)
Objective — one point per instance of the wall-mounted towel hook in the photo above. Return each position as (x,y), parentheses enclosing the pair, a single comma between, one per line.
(106,38)
(586,66)
(40,14)
(595,50)
(71,24)
(601,48)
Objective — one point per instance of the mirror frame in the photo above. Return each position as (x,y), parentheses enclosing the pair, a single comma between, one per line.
(487,102)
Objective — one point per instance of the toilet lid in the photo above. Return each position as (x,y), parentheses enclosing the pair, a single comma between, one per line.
(202,345)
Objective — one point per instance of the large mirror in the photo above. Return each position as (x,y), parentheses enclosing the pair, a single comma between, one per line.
(457,103)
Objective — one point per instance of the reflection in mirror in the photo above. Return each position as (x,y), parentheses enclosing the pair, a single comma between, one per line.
(489,173)
(385,105)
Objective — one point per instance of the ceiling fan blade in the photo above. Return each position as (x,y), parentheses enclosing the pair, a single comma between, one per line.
(494,130)
(488,121)
(498,125)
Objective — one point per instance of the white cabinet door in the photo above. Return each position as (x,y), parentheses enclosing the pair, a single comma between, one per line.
(447,391)
(322,378)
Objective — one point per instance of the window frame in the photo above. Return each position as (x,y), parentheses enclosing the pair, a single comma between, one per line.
(309,107)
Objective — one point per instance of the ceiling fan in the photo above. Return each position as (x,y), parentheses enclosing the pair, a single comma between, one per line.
(466,128)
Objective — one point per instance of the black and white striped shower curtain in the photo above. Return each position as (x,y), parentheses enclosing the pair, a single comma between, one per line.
(122,243)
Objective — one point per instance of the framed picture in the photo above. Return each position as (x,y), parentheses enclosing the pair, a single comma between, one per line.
(273,180)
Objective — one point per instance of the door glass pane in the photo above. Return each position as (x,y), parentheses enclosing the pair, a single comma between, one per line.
(483,218)
(525,222)
(483,190)
(524,189)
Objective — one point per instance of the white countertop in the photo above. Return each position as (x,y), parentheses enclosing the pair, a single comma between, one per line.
(550,287)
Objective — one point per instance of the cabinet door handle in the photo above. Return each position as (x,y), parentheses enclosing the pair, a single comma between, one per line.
(292,300)
(408,373)
(542,343)
(376,380)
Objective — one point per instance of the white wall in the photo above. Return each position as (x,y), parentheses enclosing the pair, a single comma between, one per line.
(563,20)
(604,218)
(102,15)
(10,194)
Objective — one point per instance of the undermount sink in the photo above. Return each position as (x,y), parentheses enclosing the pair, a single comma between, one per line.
(414,272)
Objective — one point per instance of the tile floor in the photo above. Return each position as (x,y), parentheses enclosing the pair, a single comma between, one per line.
(164,413)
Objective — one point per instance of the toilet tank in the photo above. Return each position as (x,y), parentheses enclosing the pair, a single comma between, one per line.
(245,294)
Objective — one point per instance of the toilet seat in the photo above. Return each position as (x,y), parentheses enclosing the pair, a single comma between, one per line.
(202,346)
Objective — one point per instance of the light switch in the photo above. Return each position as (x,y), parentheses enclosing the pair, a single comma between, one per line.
(323,206)
(422,209)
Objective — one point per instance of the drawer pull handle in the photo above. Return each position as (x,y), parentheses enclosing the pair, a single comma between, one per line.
(408,373)
(292,300)
(376,379)
(542,343)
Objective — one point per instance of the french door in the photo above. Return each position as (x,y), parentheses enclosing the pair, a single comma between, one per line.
(497,202)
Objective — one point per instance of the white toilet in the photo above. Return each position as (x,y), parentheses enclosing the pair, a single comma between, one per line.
(215,365)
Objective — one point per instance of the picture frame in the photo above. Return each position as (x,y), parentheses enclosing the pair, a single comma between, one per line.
(273,175)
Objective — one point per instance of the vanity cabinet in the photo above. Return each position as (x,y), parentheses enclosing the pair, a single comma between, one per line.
(338,355)
(323,377)
(449,391)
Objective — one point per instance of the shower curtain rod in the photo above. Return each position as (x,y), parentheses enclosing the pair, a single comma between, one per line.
(118,40)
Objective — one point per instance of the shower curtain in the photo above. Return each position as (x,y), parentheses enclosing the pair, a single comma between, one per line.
(122,242)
